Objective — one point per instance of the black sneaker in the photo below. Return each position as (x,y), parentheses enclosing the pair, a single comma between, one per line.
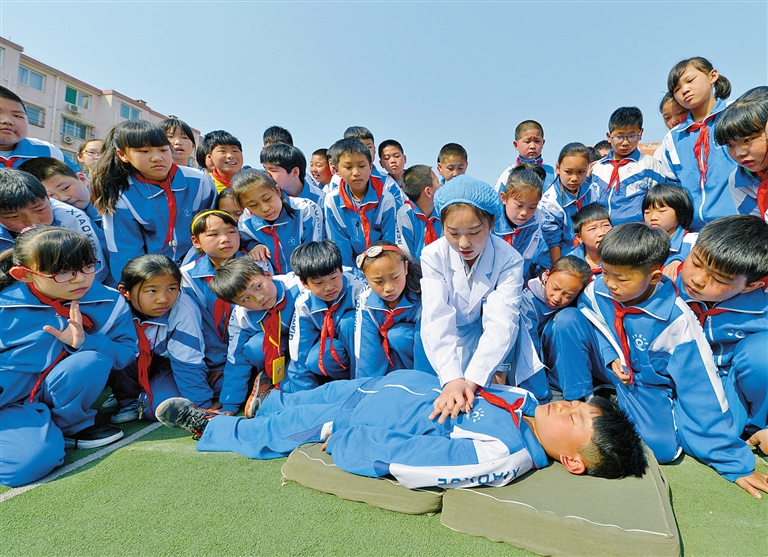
(261,388)
(93,436)
(182,414)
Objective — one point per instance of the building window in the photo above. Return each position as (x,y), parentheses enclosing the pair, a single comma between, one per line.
(2,57)
(73,96)
(31,78)
(128,112)
(75,129)
(35,116)
(71,157)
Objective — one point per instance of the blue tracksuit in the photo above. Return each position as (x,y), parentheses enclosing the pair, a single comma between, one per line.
(625,202)
(558,208)
(410,229)
(381,426)
(712,199)
(680,245)
(501,182)
(31,148)
(246,340)
(31,433)
(312,192)
(527,240)
(139,224)
(536,313)
(743,185)
(371,361)
(306,225)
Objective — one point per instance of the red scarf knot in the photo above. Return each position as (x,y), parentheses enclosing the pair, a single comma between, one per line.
(165,185)
(327,333)
(618,323)
(501,403)
(389,321)
(362,208)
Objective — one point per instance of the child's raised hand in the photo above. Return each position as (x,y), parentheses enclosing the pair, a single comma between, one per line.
(760,440)
(670,270)
(74,334)
(618,371)
(260,253)
(458,396)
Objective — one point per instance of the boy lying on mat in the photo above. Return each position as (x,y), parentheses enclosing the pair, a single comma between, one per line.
(386,426)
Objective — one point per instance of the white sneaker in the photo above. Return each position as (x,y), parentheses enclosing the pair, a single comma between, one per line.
(126,414)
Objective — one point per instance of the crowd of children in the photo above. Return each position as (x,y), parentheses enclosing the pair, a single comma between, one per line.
(288,293)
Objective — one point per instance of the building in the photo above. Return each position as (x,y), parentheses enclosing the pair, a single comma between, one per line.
(63,110)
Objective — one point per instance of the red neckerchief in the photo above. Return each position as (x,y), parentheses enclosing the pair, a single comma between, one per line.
(701,147)
(9,162)
(327,332)
(270,230)
(702,315)
(615,173)
(538,162)
(762,193)
(389,321)
(501,403)
(271,324)
(219,178)
(596,271)
(144,361)
(510,238)
(221,312)
(618,323)
(165,185)
(430,234)
(362,208)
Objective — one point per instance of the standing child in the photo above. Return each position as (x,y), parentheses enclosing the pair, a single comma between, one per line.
(224,156)
(393,159)
(147,202)
(388,312)
(319,168)
(62,333)
(689,154)
(451,161)
(288,168)
(171,345)
(668,207)
(418,224)
(274,226)
(529,142)
(590,225)
(182,140)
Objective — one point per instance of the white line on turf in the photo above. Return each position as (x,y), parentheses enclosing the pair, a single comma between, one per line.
(78,463)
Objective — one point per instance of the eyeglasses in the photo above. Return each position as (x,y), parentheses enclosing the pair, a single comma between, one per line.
(375,251)
(631,137)
(66,276)
(91,152)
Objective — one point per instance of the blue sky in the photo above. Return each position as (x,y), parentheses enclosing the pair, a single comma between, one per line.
(425,73)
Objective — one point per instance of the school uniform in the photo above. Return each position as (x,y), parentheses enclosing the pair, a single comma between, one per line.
(314,362)
(680,245)
(375,324)
(558,208)
(346,226)
(414,230)
(709,191)
(744,186)
(31,148)
(621,186)
(312,192)
(32,431)
(390,184)
(247,342)
(380,426)
(142,224)
(527,239)
(501,182)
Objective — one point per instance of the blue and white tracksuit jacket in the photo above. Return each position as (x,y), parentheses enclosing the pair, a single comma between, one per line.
(536,313)
(390,184)
(381,427)
(31,148)
(501,182)
(558,209)
(410,230)
(528,241)
(312,192)
(306,225)
(246,337)
(343,226)
(743,185)
(139,224)
(679,163)
(371,361)
(635,179)
(680,245)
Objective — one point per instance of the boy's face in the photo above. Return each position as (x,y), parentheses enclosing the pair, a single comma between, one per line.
(371,147)
(520,209)
(592,233)
(328,287)
(13,124)
(561,289)
(451,166)
(37,213)
(673,113)
(629,285)
(751,152)
(227,159)
(530,144)
(73,191)
(318,167)
(624,140)
(259,295)
(154,163)
(393,161)
(355,170)
(288,181)
(704,283)
(220,240)
(564,426)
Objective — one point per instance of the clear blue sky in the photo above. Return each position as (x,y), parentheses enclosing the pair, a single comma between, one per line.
(425,73)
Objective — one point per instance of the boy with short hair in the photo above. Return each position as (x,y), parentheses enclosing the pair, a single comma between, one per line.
(635,333)
(723,280)
(322,334)
(288,168)
(529,142)
(385,425)
(603,147)
(360,210)
(451,161)
(224,153)
(393,159)
(364,136)
(418,224)
(319,168)
(276,134)
(590,225)
(621,179)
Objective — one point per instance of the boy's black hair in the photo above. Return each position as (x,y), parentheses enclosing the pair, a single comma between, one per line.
(616,450)
(603,144)
(276,134)
(735,245)
(286,157)
(348,147)
(19,189)
(316,259)
(201,154)
(219,137)
(233,277)
(321,153)
(674,197)
(589,213)
(635,245)
(358,132)
(43,168)
(11,96)
(747,116)
(594,154)
(526,125)
(452,150)
(625,117)
(390,143)
(722,85)
(415,179)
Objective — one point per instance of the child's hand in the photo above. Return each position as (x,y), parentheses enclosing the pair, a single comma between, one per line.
(618,371)
(752,483)
(260,253)
(325,443)
(74,334)
(458,396)
(671,269)
(760,440)
(215,406)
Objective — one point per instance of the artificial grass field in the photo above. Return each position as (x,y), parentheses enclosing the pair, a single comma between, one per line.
(159,496)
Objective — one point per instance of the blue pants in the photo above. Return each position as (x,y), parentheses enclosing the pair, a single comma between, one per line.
(746,383)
